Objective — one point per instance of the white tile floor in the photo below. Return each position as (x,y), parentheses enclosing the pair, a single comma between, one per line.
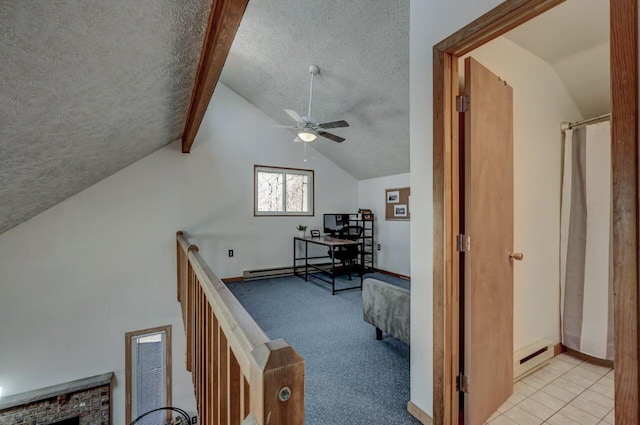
(567,391)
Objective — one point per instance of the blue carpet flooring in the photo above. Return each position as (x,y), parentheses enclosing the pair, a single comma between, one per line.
(350,377)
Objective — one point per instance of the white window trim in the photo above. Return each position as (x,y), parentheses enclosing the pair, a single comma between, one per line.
(284,170)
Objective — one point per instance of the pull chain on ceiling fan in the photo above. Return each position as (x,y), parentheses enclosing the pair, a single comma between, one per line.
(308,127)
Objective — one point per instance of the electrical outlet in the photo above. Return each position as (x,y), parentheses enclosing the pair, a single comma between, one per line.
(194,420)
(231,253)
(378,247)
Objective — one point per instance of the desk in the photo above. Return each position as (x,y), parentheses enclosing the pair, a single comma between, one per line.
(331,243)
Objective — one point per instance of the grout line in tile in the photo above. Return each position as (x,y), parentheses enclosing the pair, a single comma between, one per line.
(605,376)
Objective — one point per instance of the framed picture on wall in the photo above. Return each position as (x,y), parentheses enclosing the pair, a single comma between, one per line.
(400,210)
(393,197)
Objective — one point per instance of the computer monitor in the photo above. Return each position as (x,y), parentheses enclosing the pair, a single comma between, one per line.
(333,223)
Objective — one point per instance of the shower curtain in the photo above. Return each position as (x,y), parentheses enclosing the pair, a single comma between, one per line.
(586,255)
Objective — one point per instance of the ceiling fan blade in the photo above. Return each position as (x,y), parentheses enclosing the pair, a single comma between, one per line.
(294,115)
(330,136)
(334,124)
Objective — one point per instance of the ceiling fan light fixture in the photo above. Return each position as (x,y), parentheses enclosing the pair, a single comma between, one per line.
(307,135)
(309,128)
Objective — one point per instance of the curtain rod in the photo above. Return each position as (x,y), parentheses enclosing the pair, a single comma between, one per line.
(564,126)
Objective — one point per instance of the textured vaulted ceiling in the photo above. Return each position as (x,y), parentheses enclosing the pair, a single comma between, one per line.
(362,49)
(87,88)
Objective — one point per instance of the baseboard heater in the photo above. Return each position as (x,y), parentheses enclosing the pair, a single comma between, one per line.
(273,272)
(531,358)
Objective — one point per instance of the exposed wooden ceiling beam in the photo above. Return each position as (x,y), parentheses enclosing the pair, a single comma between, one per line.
(224,20)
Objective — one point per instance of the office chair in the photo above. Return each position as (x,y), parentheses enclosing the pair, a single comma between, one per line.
(347,255)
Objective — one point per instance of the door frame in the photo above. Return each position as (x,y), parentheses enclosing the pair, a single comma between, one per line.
(624,127)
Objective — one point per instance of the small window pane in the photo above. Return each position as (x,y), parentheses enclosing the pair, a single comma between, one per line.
(150,375)
(283,191)
(270,191)
(297,193)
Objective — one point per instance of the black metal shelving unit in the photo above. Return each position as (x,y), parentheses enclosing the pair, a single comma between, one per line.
(368,239)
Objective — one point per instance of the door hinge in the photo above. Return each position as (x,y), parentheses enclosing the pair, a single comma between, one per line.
(462,103)
(462,383)
(463,243)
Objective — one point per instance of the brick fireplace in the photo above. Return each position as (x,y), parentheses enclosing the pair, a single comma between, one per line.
(84,401)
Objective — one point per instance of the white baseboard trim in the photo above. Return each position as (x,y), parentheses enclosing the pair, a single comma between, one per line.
(419,414)
(401,276)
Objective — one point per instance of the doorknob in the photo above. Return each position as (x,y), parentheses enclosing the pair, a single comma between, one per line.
(516,256)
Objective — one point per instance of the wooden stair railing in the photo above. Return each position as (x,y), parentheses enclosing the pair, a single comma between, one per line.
(240,376)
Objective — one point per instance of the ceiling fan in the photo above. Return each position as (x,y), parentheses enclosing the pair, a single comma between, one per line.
(308,127)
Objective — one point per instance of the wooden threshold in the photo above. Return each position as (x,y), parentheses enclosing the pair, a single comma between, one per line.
(419,414)
(224,19)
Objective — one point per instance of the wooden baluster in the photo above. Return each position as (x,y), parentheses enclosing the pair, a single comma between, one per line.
(246,398)
(184,281)
(223,393)
(210,367)
(200,349)
(242,390)
(215,383)
(201,360)
(205,363)
(189,318)
(198,362)
(233,375)
(190,283)
(203,376)
(179,258)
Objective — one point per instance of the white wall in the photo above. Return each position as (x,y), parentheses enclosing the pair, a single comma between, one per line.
(540,103)
(222,216)
(430,23)
(393,236)
(78,276)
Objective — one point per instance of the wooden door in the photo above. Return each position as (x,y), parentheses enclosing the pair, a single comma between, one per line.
(488,222)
